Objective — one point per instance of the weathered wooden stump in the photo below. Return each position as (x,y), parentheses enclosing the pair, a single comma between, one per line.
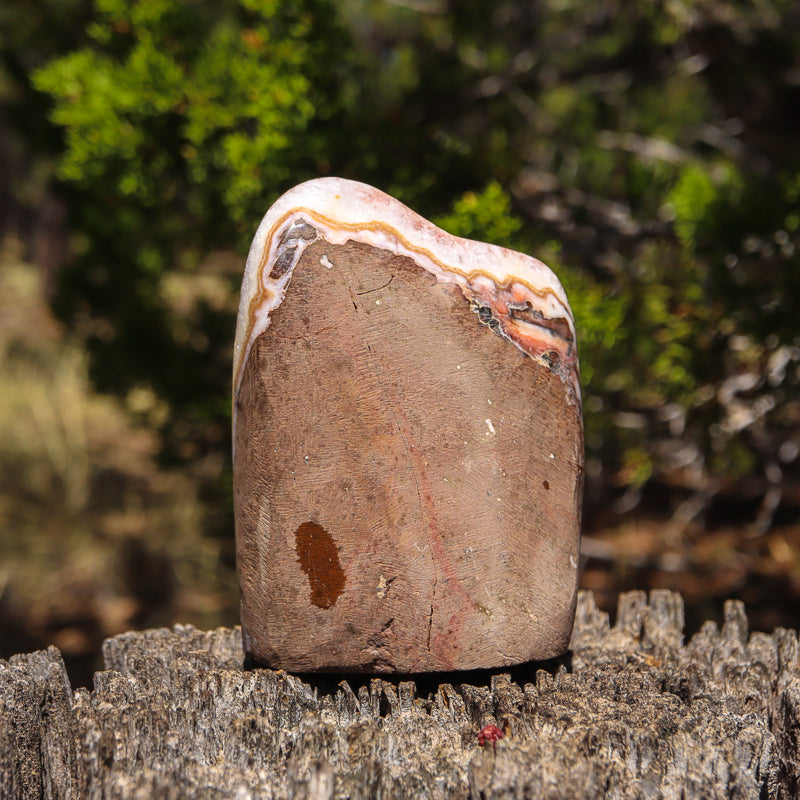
(637,714)
(408,443)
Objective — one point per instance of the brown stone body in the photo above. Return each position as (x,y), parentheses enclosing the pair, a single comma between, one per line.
(407,482)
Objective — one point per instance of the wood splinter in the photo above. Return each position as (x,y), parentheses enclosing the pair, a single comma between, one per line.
(408,446)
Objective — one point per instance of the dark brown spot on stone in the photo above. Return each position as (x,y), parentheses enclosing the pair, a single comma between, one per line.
(319,559)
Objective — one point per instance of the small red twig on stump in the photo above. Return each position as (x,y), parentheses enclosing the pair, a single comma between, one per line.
(489,733)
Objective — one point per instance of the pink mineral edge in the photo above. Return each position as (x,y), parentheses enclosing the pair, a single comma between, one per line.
(505,281)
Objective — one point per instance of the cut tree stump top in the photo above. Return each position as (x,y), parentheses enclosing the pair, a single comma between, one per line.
(634,713)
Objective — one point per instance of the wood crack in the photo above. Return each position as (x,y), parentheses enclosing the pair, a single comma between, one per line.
(430,616)
(377,288)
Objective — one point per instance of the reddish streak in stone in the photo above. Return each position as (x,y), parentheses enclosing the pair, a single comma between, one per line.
(441,559)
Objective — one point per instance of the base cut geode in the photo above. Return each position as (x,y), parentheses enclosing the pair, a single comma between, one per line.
(408,455)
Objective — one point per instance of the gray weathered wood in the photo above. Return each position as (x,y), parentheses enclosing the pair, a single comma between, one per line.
(639,714)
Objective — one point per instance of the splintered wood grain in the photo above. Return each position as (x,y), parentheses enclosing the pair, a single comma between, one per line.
(408,483)
(637,714)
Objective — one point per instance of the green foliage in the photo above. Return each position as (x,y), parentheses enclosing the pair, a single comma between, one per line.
(698,194)
(485,216)
(651,153)
(182,122)
(599,317)
(184,103)
(691,197)
(670,328)
(649,148)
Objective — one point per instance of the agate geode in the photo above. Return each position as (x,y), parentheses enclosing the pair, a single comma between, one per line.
(408,455)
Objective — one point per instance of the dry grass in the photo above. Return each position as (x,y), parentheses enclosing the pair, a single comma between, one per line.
(95,537)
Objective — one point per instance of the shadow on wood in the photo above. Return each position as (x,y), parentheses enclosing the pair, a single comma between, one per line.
(639,715)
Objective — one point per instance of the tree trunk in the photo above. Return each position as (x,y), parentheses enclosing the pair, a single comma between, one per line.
(633,713)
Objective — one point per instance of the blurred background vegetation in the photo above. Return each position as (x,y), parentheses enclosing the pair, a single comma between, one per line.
(646,150)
